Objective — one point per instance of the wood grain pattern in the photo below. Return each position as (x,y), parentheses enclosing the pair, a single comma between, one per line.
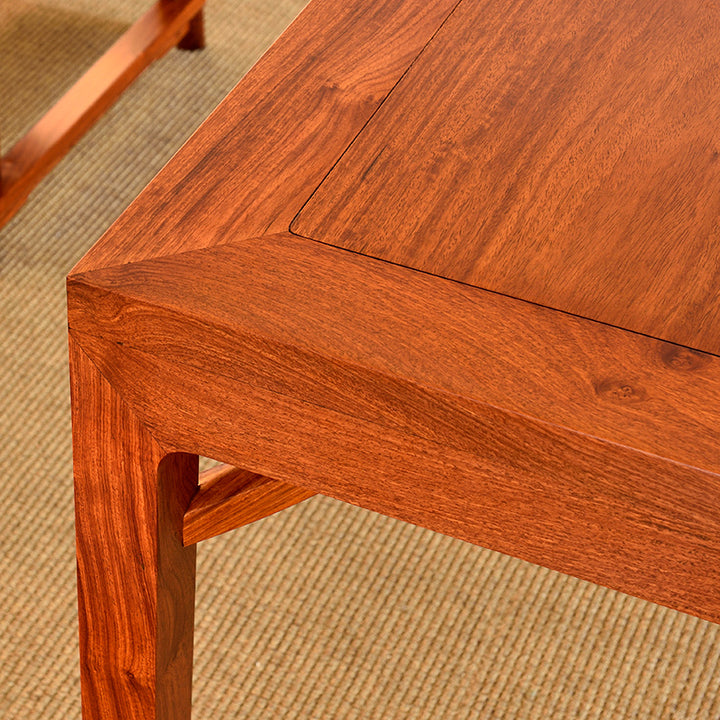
(570,502)
(252,164)
(168,23)
(229,498)
(333,67)
(583,447)
(561,152)
(136,582)
(323,313)
(598,459)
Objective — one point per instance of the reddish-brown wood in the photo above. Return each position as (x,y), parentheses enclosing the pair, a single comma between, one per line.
(229,498)
(317,322)
(556,151)
(479,415)
(274,137)
(194,38)
(168,23)
(136,581)
(574,503)
(277,155)
(584,447)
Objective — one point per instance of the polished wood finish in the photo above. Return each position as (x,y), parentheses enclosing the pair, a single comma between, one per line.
(229,498)
(136,581)
(319,323)
(343,359)
(332,68)
(584,446)
(276,156)
(168,23)
(556,151)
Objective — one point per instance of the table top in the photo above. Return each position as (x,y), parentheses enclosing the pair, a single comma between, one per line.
(475,241)
(562,152)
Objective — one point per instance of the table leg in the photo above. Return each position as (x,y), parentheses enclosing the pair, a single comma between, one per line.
(194,38)
(136,582)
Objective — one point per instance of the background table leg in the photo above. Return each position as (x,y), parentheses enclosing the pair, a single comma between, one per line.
(136,582)
(42,147)
(194,39)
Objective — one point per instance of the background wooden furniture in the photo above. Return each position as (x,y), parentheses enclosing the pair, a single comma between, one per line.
(168,23)
(453,262)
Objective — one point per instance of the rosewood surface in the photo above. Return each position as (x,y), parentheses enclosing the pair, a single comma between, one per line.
(553,151)
(236,311)
(597,445)
(228,498)
(136,581)
(253,163)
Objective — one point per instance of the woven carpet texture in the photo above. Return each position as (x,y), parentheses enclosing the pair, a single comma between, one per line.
(324,610)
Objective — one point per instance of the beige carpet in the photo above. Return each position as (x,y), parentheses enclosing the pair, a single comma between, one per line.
(323,611)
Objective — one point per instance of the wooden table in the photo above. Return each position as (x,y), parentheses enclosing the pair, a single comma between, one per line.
(454,262)
(166,24)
